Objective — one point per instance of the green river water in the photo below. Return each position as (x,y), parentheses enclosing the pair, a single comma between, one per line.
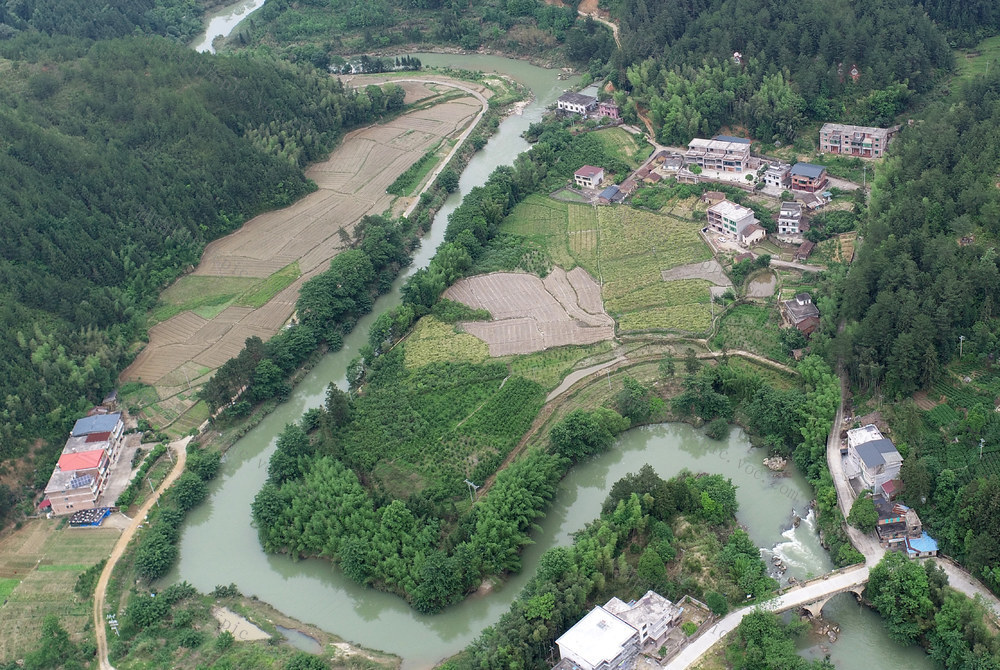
(219,546)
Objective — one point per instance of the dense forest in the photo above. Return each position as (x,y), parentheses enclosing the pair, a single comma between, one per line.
(914,289)
(121,159)
(323,32)
(178,19)
(677,61)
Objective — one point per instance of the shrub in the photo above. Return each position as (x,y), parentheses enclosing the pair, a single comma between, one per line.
(689,628)
(717,429)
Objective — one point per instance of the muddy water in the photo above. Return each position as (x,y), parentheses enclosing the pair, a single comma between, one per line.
(219,546)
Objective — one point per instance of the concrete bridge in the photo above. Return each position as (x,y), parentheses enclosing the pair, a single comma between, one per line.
(810,596)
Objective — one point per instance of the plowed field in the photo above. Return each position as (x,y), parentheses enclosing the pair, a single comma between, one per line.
(352,183)
(530,314)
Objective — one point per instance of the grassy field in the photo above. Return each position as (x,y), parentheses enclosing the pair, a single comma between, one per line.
(625,249)
(635,246)
(209,296)
(970,63)
(543,221)
(433,341)
(626,146)
(752,328)
(550,367)
(39,566)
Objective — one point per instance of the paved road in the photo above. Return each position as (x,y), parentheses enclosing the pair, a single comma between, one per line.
(100,627)
(797,597)
(461,138)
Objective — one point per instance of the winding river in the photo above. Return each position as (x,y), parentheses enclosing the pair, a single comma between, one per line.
(219,546)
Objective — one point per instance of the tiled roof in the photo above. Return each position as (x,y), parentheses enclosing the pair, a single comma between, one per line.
(807,170)
(82,460)
(100,423)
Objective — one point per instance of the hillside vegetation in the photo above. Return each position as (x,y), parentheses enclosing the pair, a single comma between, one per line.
(677,59)
(121,159)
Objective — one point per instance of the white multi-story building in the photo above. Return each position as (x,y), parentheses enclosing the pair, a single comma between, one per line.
(721,155)
(791,225)
(871,458)
(730,218)
(610,637)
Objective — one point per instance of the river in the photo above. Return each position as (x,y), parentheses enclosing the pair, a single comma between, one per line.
(219,546)
(222,21)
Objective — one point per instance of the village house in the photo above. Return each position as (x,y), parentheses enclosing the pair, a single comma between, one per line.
(628,187)
(862,141)
(808,177)
(609,195)
(899,529)
(576,103)
(81,473)
(589,176)
(729,218)
(719,155)
(803,252)
(777,175)
(791,224)
(872,460)
(608,109)
(753,234)
(801,313)
(712,197)
(610,637)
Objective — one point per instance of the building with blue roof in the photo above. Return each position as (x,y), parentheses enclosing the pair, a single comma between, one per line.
(608,194)
(99,423)
(921,547)
(808,177)
(730,138)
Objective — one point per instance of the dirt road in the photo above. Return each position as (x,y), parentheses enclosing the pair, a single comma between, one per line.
(100,628)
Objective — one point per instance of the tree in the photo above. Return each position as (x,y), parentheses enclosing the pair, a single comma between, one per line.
(691,364)
(717,603)
(448,180)
(899,590)
(189,490)
(633,400)
(667,366)
(156,553)
(863,515)
(651,568)
(717,429)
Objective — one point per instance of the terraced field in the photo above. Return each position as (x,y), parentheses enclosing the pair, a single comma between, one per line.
(247,283)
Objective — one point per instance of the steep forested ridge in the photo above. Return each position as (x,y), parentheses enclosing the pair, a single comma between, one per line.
(121,159)
(913,288)
(315,29)
(180,19)
(796,62)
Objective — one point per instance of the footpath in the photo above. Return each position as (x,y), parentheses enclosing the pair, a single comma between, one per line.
(179,448)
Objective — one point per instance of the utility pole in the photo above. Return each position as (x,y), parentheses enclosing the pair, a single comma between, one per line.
(981,442)
(472,490)
(961,341)
(153,491)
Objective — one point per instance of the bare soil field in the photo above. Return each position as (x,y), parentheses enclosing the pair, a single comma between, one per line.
(530,314)
(709,270)
(352,183)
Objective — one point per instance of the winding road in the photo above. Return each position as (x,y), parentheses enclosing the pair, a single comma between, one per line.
(179,448)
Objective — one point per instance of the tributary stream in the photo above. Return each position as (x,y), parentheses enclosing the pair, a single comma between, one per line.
(219,546)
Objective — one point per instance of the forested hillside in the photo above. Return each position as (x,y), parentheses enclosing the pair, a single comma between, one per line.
(179,19)
(121,159)
(797,56)
(913,289)
(316,29)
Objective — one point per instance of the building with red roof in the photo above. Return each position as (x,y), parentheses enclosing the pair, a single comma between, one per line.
(81,473)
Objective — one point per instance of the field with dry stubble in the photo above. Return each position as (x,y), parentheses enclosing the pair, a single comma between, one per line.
(248,282)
